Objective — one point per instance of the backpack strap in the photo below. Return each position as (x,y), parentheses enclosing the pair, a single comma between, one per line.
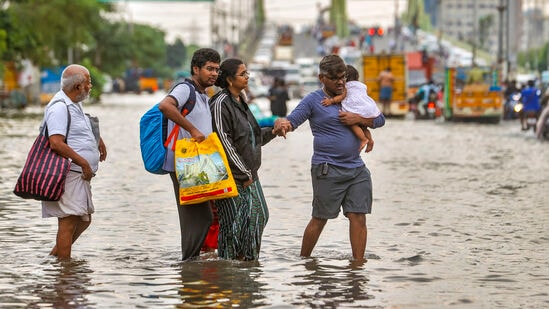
(191,102)
(185,110)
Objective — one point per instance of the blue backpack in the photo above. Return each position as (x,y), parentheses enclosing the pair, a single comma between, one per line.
(153,130)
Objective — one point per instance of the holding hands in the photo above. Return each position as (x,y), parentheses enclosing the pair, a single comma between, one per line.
(281,126)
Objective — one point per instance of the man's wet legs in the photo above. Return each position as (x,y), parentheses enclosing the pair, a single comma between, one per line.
(358,234)
(311,235)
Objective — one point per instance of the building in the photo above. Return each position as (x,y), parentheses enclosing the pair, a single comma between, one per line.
(535,24)
(481,23)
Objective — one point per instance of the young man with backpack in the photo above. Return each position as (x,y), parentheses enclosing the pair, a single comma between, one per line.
(194,220)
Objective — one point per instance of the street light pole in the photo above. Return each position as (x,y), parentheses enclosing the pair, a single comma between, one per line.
(397,22)
(501,7)
(507,36)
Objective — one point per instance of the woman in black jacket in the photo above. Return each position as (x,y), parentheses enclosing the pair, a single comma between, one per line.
(242,218)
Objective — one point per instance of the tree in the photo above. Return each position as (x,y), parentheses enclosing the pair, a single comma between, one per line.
(56,32)
(485,26)
(112,49)
(176,54)
(535,58)
(148,48)
(44,31)
(415,16)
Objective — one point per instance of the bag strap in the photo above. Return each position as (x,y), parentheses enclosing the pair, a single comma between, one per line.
(185,110)
(68,121)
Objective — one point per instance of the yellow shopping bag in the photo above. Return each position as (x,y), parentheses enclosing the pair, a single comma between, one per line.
(203,171)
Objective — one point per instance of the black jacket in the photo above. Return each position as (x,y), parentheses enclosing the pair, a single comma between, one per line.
(240,135)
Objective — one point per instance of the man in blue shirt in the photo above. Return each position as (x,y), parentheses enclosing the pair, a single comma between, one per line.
(424,94)
(531,102)
(340,178)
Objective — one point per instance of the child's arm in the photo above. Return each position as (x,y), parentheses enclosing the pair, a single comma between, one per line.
(370,144)
(336,99)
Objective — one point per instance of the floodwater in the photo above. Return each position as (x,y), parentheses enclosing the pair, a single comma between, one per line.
(459,221)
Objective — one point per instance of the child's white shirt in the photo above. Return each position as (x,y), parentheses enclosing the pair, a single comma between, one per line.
(358,102)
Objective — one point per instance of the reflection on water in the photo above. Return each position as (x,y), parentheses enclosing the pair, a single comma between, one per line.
(459,219)
(70,289)
(332,284)
(220,284)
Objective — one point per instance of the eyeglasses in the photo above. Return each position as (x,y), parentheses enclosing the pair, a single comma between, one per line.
(337,78)
(244,74)
(213,69)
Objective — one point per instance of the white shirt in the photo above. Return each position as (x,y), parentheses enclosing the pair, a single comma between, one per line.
(200,117)
(357,100)
(80,137)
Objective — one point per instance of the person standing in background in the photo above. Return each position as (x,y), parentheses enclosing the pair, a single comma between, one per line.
(278,95)
(386,80)
(75,207)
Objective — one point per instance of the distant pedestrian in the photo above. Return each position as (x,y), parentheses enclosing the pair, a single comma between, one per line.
(392,45)
(386,80)
(278,96)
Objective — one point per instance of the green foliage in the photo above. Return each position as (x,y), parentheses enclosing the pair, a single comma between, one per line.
(485,25)
(535,59)
(190,50)
(415,16)
(112,48)
(98,80)
(44,30)
(48,31)
(176,54)
(119,46)
(149,47)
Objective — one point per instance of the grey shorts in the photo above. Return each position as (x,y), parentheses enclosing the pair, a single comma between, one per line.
(337,187)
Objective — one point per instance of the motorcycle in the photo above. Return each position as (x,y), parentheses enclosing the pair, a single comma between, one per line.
(529,119)
(430,110)
(509,106)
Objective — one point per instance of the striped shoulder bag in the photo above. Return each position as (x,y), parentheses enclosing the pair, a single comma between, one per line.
(44,173)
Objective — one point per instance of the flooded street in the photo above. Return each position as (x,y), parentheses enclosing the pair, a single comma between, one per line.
(459,220)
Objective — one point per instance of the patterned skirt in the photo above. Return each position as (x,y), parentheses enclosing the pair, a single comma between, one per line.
(241,223)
